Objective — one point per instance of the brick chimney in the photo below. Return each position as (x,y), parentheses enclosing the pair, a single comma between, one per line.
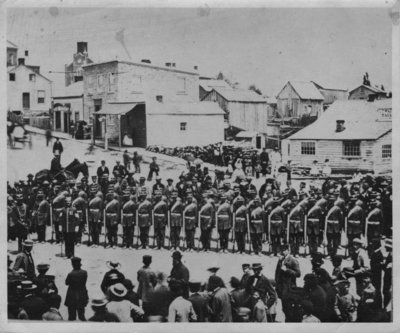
(340,126)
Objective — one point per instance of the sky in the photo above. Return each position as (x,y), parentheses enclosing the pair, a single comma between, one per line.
(263,46)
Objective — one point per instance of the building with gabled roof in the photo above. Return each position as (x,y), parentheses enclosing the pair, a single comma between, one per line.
(352,134)
(364,91)
(206,85)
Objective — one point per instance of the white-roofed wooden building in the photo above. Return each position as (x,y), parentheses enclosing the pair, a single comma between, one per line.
(352,134)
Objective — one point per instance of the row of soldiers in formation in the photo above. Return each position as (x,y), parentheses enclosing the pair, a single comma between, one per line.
(309,218)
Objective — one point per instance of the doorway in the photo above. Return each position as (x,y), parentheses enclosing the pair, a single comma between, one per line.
(26,100)
(135,125)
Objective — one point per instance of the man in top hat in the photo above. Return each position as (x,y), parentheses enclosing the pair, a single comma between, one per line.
(147,281)
(158,186)
(77,296)
(224,223)
(45,283)
(190,221)
(264,160)
(247,272)
(179,272)
(111,277)
(287,270)
(361,263)
(102,170)
(261,284)
(32,307)
(160,215)
(24,260)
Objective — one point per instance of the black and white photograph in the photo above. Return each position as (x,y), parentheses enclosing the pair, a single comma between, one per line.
(198,163)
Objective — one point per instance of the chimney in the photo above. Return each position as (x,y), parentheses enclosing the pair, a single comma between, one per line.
(340,126)
(82,47)
(21,61)
(146,61)
(168,64)
(159,98)
(195,68)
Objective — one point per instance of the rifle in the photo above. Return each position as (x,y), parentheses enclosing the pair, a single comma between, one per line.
(366,230)
(347,238)
(233,232)
(154,228)
(51,224)
(138,229)
(183,238)
(325,240)
(287,230)
(87,225)
(248,231)
(169,227)
(216,223)
(198,239)
(305,233)
(105,230)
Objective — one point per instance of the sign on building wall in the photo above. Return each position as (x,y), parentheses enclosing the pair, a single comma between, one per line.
(385,114)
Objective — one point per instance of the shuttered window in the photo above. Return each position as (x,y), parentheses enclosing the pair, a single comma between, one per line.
(351,148)
(386,151)
(308,148)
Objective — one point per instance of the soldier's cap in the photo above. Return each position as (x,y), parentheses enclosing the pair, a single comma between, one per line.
(30,175)
(176,255)
(170,180)
(82,194)
(240,199)
(27,285)
(42,267)
(98,302)
(213,269)
(76,260)
(256,266)
(332,197)
(245,266)
(40,196)
(19,196)
(27,243)
(46,183)
(113,264)
(142,178)
(252,191)
(243,183)
(243,311)
(55,181)
(276,199)
(257,199)
(174,194)
(223,196)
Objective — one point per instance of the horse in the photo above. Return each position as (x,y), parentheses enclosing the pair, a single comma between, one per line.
(70,172)
(75,167)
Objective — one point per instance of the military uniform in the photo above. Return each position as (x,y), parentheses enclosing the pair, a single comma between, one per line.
(96,207)
(144,221)
(81,205)
(296,228)
(224,224)
(112,219)
(277,225)
(190,221)
(176,222)
(160,213)
(314,218)
(42,218)
(355,224)
(334,225)
(129,222)
(241,226)
(58,207)
(257,217)
(206,225)
(375,224)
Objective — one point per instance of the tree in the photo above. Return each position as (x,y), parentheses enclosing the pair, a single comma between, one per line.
(255,89)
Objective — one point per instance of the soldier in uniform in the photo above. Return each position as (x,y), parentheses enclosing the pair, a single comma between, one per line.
(296,228)
(176,220)
(144,218)
(224,223)
(94,188)
(355,221)
(69,227)
(160,213)
(96,207)
(42,217)
(277,219)
(80,204)
(334,224)
(240,216)
(58,207)
(374,223)
(190,221)
(314,217)
(22,221)
(206,223)
(112,217)
(257,217)
(129,221)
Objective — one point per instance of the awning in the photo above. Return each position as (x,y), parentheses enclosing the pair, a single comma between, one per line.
(117,108)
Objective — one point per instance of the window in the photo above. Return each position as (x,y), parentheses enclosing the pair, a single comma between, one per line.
(181,85)
(386,151)
(308,148)
(12,76)
(26,53)
(183,126)
(159,98)
(111,81)
(40,95)
(32,77)
(351,148)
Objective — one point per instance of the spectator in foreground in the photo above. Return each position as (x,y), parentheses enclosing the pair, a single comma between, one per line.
(53,314)
(180,310)
(101,313)
(308,310)
(77,297)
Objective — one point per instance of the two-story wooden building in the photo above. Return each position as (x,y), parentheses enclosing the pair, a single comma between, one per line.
(352,134)
(153,105)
